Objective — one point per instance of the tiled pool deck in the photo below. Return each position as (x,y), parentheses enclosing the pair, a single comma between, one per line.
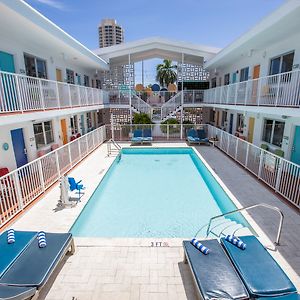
(133,269)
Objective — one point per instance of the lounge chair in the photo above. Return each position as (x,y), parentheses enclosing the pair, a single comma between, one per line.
(260,273)
(214,275)
(192,137)
(76,186)
(137,136)
(25,268)
(202,136)
(147,135)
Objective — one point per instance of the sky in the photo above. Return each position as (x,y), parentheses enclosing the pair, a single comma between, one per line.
(208,22)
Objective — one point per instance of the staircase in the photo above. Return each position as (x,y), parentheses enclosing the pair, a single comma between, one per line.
(170,108)
(139,105)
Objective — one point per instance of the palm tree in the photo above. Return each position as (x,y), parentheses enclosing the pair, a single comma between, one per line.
(165,73)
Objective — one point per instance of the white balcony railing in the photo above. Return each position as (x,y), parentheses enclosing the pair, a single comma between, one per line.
(281,90)
(20,93)
(23,185)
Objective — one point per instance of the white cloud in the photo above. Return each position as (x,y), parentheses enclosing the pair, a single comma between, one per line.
(52,3)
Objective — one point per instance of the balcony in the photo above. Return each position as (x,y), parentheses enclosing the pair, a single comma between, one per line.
(20,93)
(281,90)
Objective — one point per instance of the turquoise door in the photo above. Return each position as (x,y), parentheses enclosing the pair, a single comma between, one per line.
(82,124)
(295,157)
(7,65)
(234,77)
(7,62)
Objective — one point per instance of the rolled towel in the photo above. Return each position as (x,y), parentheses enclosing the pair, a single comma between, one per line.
(200,246)
(10,236)
(235,241)
(42,239)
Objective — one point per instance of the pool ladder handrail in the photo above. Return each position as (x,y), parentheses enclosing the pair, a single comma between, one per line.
(115,144)
(277,242)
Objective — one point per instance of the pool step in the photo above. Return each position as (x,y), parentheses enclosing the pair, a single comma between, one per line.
(225,226)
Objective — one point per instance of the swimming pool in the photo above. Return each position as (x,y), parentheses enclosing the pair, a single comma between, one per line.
(154,192)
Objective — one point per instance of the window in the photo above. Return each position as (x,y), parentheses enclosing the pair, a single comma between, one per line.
(74,124)
(244,76)
(281,64)
(35,66)
(43,134)
(213,82)
(86,80)
(70,76)
(226,79)
(240,123)
(273,132)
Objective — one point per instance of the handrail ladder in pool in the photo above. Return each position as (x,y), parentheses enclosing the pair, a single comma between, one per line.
(110,149)
(277,242)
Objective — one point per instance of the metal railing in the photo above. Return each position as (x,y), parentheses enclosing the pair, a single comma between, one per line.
(170,107)
(22,186)
(20,93)
(281,175)
(274,90)
(111,143)
(277,241)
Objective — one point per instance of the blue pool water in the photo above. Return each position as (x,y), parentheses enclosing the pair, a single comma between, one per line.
(154,192)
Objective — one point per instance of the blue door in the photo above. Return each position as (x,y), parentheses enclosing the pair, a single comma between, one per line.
(234,77)
(295,157)
(78,79)
(230,123)
(19,147)
(7,62)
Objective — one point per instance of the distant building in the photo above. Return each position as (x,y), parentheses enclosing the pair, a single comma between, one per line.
(110,33)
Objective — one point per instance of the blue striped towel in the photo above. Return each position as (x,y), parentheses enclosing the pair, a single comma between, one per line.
(199,246)
(236,241)
(10,236)
(42,239)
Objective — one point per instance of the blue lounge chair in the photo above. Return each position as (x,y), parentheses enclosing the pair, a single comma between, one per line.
(76,186)
(202,136)
(25,268)
(192,136)
(137,136)
(147,135)
(214,274)
(260,273)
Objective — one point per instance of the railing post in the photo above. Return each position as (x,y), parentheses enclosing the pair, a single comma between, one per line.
(18,190)
(57,92)
(41,94)
(181,131)
(168,132)
(278,88)
(279,172)
(236,148)
(260,163)
(247,155)
(41,175)
(221,140)
(70,98)
(18,93)
(236,93)
(246,92)
(79,95)
(259,91)
(70,156)
(79,148)
(57,164)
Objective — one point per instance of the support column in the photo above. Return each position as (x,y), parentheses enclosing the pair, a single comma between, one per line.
(182,98)
(130,100)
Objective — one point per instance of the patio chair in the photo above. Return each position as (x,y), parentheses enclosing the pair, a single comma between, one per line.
(147,135)
(214,275)
(25,268)
(260,273)
(192,136)
(76,186)
(202,136)
(137,137)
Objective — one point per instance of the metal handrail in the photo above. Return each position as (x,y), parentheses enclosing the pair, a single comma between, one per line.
(117,146)
(250,207)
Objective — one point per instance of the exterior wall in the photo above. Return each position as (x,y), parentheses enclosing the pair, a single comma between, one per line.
(18,47)
(260,57)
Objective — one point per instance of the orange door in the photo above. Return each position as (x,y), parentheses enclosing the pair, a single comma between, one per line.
(58,75)
(63,126)
(256,71)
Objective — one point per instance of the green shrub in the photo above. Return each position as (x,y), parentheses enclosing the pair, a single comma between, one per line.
(174,126)
(141,119)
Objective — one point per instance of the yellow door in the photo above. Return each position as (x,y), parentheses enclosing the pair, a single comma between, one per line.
(251,129)
(63,126)
(58,75)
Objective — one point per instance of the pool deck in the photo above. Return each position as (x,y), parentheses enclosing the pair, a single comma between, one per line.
(128,268)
